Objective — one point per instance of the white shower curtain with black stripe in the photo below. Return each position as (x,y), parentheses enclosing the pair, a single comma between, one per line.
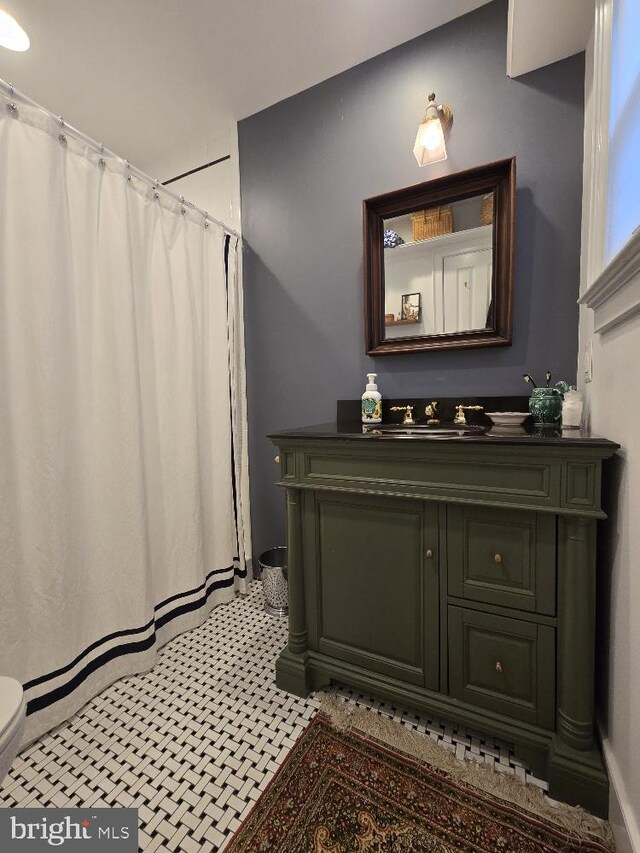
(122,455)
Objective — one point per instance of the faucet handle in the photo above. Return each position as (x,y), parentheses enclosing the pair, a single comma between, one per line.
(460,410)
(408,414)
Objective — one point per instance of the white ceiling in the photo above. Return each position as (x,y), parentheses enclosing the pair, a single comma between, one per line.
(149,77)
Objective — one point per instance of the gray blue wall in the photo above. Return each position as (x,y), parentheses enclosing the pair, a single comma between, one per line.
(307,163)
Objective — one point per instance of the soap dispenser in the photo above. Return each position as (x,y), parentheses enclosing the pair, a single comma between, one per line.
(572,409)
(371,402)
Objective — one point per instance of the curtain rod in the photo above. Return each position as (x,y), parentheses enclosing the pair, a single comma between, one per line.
(197,169)
(12,92)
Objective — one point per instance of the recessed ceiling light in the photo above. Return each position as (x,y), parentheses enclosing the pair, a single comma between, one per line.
(12,36)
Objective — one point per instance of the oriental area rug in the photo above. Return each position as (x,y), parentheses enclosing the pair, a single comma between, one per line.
(341,790)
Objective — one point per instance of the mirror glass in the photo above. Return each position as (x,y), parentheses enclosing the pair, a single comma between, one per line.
(438,262)
(438,269)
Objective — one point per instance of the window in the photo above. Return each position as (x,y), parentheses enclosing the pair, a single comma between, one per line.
(623,214)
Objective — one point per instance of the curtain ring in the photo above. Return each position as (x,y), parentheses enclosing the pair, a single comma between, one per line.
(62,138)
(12,109)
(102,162)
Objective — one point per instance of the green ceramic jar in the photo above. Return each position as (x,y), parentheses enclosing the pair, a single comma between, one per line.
(545,404)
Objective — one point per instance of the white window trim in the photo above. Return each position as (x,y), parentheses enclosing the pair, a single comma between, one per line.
(613,291)
(615,294)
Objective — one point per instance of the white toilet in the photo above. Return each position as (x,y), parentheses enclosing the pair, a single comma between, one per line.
(13,710)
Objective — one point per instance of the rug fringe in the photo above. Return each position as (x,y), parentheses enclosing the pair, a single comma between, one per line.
(572,819)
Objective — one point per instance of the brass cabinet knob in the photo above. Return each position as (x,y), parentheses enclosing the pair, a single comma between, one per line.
(498,666)
(498,558)
(276,458)
(429,553)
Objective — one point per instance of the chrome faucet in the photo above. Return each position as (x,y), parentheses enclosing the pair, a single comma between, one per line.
(460,410)
(408,414)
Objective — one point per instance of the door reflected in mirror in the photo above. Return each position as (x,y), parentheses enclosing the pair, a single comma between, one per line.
(443,256)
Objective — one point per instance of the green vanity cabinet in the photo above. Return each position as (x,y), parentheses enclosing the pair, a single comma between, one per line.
(456,577)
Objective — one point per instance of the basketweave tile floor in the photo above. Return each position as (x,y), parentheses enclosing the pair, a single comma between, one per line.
(193,743)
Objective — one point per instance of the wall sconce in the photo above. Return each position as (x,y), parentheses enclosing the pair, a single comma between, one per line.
(429,146)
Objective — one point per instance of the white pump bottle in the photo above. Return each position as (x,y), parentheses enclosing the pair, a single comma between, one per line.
(371,402)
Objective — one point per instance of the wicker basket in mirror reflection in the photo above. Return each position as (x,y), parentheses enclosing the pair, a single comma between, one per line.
(486,210)
(432,223)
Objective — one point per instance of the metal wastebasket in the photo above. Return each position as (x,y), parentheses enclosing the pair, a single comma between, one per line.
(273,566)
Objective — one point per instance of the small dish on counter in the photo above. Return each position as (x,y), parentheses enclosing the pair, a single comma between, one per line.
(506,431)
(508,419)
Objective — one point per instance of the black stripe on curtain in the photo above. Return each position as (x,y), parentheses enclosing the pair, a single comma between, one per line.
(234,485)
(209,586)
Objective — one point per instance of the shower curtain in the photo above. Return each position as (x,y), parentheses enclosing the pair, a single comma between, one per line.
(122,452)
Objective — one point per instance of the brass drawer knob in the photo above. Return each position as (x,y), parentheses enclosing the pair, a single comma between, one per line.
(498,558)
(276,459)
(429,553)
(498,666)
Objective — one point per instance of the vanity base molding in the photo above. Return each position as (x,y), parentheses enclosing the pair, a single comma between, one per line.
(457,579)
(576,777)
(295,674)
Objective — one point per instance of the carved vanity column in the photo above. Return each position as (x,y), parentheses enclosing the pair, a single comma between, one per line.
(297,618)
(291,667)
(576,631)
(575,771)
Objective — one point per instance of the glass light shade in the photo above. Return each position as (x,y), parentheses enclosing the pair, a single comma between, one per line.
(429,146)
(12,36)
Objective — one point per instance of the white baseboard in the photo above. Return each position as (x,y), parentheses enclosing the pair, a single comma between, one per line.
(621,814)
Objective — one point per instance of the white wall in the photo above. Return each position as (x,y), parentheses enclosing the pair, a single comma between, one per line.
(215,189)
(613,404)
(615,413)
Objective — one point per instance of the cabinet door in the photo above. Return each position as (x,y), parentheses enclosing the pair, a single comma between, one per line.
(371,576)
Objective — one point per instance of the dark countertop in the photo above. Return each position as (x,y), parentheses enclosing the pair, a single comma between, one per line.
(529,435)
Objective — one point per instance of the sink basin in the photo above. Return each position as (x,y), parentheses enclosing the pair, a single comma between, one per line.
(424,431)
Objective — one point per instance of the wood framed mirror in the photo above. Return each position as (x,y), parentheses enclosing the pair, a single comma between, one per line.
(438,263)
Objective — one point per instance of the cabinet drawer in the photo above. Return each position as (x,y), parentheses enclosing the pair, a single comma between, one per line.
(503,557)
(504,665)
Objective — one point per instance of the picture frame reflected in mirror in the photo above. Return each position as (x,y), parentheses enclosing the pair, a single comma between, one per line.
(410,307)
